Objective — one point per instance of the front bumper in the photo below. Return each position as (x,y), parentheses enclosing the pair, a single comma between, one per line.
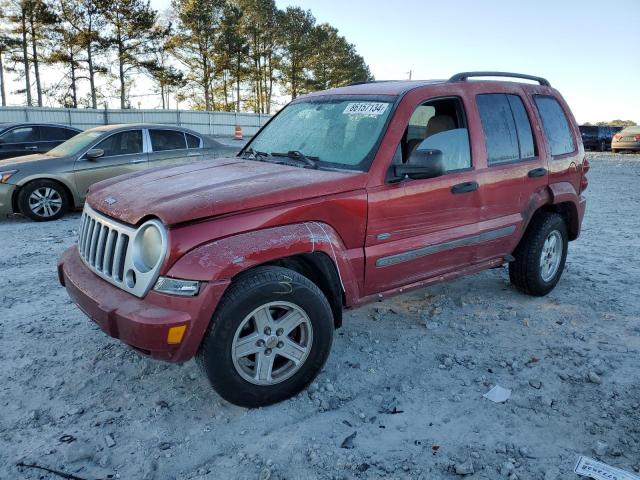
(6,197)
(142,323)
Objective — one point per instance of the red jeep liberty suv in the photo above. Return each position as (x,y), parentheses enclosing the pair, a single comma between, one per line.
(346,196)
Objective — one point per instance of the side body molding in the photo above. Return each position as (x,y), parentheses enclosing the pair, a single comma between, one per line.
(223,259)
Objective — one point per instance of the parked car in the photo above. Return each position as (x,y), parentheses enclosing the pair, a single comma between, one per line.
(345,197)
(45,186)
(17,139)
(627,139)
(596,137)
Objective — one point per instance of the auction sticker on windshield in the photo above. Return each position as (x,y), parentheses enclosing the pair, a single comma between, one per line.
(365,108)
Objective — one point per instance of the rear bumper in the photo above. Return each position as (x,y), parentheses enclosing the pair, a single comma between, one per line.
(626,145)
(6,196)
(140,323)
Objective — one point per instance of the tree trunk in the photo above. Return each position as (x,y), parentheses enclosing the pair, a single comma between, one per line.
(25,59)
(92,80)
(36,66)
(123,97)
(238,83)
(162,95)
(74,90)
(2,91)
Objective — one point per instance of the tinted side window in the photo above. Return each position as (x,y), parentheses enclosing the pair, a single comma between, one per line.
(20,135)
(499,128)
(192,141)
(167,140)
(123,143)
(50,134)
(523,127)
(555,125)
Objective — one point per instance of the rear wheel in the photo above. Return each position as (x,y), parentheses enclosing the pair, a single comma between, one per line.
(541,255)
(270,336)
(43,200)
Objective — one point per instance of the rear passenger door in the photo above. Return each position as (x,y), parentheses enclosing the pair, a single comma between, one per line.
(515,172)
(171,147)
(19,141)
(51,137)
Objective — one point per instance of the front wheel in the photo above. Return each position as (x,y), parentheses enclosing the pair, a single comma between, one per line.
(541,255)
(268,339)
(43,200)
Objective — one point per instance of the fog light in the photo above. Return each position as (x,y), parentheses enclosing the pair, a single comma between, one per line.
(176,286)
(175,334)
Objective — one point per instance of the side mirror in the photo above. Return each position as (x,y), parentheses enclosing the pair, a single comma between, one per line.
(94,154)
(421,164)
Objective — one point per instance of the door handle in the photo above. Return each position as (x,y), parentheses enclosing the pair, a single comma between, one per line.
(465,187)
(34,147)
(537,172)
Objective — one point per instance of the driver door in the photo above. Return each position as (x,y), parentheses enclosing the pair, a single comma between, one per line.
(418,229)
(123,153)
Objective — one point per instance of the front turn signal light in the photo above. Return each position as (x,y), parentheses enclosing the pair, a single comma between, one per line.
(175,334)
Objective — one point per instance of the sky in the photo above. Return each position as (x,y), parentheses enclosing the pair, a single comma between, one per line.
(588,49)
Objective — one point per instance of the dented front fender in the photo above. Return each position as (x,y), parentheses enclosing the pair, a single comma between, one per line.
(225,258)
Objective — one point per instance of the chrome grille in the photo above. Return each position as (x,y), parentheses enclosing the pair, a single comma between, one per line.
(103,245)
(107,249)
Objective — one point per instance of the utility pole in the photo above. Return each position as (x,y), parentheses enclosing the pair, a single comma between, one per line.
(410,72)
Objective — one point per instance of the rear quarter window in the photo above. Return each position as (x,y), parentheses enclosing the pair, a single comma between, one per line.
(555,125)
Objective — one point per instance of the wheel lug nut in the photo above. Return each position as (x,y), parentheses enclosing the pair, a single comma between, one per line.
(267,351)
(260,343)
(267,331)
(279,332)
(280,344)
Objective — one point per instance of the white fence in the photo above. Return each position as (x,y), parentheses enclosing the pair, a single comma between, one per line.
(208,123)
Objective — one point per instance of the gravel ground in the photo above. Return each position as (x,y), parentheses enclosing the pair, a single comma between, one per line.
(401,394)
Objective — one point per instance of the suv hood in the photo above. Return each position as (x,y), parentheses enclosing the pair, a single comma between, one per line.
(213,187)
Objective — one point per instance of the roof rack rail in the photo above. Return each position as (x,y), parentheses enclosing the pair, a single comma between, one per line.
(370,81)
(462,77)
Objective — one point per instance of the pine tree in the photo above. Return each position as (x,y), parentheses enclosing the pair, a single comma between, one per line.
(296,26)
(129,23)
(195,45)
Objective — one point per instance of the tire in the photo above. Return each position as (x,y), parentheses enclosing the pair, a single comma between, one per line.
(279,292)
(526,272)
(33,194)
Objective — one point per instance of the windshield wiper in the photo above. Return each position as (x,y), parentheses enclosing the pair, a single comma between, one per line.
(298,155)
(257,155)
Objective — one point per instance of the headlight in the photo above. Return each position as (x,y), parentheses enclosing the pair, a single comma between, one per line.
(6,175)
(149,246)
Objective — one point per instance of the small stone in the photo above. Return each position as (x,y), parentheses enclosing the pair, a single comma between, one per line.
(501,448)
(535,383)
(265,473)
(507,468)
(108,439)
(348,442)
(526,452)
(594,378)
(600,448)
(465,468)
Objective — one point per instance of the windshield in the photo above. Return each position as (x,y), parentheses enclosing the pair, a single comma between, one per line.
(337,132)
(76,144)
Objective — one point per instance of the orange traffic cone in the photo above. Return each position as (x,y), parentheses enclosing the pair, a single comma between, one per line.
(238,134)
